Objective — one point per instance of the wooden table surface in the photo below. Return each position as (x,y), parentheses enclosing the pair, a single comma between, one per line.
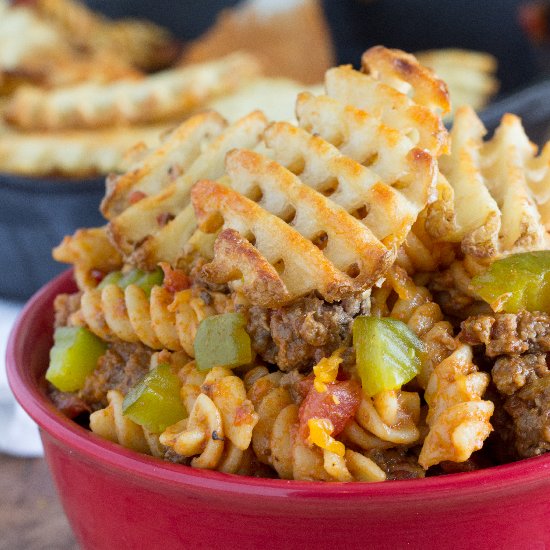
(31,517)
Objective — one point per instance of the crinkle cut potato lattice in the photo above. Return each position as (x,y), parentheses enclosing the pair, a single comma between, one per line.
(145,99)
(276,299)
(54,43)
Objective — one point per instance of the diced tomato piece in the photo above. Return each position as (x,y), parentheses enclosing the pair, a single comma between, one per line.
(174,279)
(338,404)
(303,386)
(97,275)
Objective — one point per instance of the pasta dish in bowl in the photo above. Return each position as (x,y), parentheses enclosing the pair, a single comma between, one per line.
(355,297)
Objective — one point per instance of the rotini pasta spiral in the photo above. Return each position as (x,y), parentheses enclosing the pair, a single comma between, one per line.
(454,290)
(163,320)
(458,418)
(276,440)
(391,416)
(414,306)
(218,432)
(420,252)
(111,424)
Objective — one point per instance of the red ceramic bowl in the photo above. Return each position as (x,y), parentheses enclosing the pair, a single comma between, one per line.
(115,498)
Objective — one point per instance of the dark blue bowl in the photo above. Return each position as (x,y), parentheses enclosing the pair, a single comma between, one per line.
(35,215)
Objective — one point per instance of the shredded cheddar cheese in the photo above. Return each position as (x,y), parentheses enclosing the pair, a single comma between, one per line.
(320,430)
(326,370)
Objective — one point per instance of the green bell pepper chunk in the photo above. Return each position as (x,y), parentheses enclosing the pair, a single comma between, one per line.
(388,353)
(110,279)
(155,402)
(222,341)
(73,357)
(517,282)
(146,280)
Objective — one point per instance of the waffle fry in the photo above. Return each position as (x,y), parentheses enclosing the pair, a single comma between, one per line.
(303,266)
(32,50)
(167,94)
(348,250)
(139,223)
(387,211)
(416,117)
(495,175)
(155,171)
(74,153)
(469,75)
(140,43)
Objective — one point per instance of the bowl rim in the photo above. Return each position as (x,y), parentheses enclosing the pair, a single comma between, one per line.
(69,433)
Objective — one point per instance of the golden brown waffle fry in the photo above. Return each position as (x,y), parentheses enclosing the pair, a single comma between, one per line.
(469,75)
(163,164)
(33,50)
(417,117)
(402,71)
(362,190)
(495,208)
(303,266)
(139,43)
(160,225)
(74,153)
(167,94)
(314,243)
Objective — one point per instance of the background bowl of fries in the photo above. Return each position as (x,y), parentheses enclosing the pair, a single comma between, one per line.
(114,497)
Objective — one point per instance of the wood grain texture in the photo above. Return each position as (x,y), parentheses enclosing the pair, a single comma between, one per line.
(31,517)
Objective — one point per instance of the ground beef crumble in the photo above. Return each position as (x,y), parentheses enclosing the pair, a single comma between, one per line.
(122,366)
(299,335)
(64,306)
(511,372)
(397,463)
(507,333)
(519,345)
(529,409)
(118,369)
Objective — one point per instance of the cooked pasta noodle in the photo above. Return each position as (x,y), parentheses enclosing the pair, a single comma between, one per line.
(218,432)
(110,423)
(414,306)
(458,418)
(391,416)
(163,320)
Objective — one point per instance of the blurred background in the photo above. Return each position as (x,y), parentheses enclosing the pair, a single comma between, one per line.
(514,31)
(494,55)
